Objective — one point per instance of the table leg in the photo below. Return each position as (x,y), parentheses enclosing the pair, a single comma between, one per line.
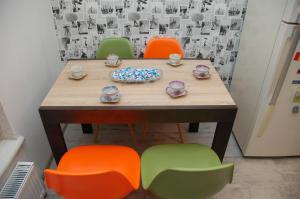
(56,140)
(193,127)
(55,136)
(221,138)
(87,128)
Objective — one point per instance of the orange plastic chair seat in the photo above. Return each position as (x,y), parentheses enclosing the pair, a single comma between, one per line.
(102,172)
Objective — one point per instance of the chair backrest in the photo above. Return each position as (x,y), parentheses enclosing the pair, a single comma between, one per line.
(162,48)
(104,185)
(191,184)
(118,46)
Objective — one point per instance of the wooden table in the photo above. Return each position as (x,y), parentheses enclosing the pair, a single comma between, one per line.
(71,101)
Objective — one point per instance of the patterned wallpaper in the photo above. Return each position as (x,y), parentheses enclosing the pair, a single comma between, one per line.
(206,28)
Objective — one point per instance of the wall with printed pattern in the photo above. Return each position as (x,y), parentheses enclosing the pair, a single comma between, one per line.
(205,28)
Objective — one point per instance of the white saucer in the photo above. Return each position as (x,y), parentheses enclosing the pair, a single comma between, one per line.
(201,77)
(115,100)
(83,74)
(110,65)
(172,64)
(168,90)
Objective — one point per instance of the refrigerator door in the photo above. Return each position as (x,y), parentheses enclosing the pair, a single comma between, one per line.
(292,12)
(260,32)
(276,132)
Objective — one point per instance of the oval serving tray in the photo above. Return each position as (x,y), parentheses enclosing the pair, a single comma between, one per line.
(136,75)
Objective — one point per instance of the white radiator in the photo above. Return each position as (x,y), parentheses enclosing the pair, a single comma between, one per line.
(23,183)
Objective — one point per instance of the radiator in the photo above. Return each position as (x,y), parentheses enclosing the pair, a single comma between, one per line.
(23,183)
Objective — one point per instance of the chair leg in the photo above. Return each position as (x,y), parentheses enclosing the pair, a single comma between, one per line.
(132,133)
(145,130)
(145,194)
(180,133)
(96,133)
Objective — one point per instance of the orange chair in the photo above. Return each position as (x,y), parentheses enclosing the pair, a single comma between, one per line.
(162,48)
(96,172)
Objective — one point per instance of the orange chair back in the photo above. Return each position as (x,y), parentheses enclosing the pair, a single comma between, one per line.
(162,48)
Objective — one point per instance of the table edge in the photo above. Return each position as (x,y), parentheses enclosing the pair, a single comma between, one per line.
(139,108)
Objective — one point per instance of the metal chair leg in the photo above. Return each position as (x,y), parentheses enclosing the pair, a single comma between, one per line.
(145,130)
(146,127)
(145,194)
(132,133)
(96,133)
(180,133)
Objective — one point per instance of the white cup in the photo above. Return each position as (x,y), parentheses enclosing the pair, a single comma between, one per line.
(112,59)
(110,92)
(177,87)
(76,71)
(175,58)
(202,70)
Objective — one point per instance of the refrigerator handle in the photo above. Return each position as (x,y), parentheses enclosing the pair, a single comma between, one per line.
(285,60)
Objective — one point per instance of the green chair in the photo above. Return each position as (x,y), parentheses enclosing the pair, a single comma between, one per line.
(123,48)
(183,171)
(118,46)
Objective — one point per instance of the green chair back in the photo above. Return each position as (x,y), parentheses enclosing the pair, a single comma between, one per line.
(118,46)
(191,184)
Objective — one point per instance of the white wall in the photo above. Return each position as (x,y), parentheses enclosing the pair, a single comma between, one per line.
(29,63)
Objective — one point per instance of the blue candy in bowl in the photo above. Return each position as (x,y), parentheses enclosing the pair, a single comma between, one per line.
(136,75)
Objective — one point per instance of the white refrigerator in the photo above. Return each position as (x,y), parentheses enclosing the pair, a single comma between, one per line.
(266,80)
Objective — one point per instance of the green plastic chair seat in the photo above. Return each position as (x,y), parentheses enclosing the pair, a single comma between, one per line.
(183,171)
(118,46)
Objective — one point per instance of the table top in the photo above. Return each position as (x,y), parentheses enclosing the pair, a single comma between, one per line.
(85,93)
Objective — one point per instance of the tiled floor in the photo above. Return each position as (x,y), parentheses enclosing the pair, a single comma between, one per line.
(253,178)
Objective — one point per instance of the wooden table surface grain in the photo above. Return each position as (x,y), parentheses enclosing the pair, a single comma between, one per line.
(85,93)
